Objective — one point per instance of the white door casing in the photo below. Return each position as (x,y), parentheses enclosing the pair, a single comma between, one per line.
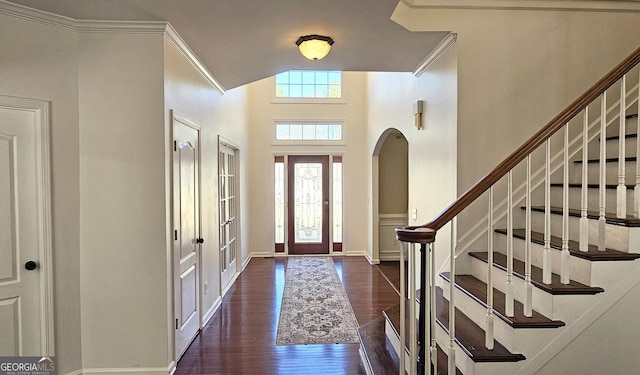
(227,162)
(26,296)
(186,231)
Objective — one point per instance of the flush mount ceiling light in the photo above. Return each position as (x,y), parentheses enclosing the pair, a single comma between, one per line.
(314,47)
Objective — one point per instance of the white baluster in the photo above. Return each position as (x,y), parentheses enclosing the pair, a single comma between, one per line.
(546,255)
(621,210)
(413,339)
(489,334)
(528,300)
(429,304)
(509,298)
(452,307)
(584,204)
(403,303)
(602,204)
(565,256)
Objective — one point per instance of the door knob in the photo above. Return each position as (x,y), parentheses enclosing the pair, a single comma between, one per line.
(30,265)
(199,240)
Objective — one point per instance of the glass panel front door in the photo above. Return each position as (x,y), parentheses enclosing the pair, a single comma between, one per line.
(308,204)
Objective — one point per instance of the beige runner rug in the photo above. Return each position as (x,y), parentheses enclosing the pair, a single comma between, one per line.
(315,308)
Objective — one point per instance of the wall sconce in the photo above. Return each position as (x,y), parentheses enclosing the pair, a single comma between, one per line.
(314,47)
(418,109)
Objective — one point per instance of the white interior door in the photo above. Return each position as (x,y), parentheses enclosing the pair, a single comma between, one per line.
(228,213)
(26,327)
(186,226)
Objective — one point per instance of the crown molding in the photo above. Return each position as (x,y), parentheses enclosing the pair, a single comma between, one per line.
(554,5)
(35,15)
(56,20)
(440,49)
(180,44)
(106,26)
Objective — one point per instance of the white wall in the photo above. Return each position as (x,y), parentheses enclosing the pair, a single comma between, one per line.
(39,61)
(604,346)
(518,69)
(190,95)
(432,150)
(122,209)
(262,114)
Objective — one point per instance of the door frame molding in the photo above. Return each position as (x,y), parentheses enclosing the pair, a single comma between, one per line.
(327,237)
(176,116)
(41,110)
(227,142)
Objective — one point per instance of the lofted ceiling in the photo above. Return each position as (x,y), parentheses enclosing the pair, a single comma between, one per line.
(241,41)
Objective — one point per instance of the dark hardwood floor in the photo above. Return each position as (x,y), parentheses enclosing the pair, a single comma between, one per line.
(240,338)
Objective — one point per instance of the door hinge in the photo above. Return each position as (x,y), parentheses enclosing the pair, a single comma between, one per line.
(175,145)
(176,323)
(175,235)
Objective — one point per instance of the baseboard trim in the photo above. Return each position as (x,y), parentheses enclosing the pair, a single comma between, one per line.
(127,370)
(76,372)
(212,310)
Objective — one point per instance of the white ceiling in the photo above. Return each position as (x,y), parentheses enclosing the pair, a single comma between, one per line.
(241,41)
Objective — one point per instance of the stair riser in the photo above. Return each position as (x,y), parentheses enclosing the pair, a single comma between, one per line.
(580,269)
(617,237)
(394,339)
(466,365)
(556,307)
(520,340)
(612,146)
(593,172)
(593,199)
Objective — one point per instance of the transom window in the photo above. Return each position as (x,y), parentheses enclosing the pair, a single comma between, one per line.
(309,84)
(308,131)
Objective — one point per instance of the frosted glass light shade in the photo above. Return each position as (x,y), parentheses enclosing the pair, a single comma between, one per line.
(314,47)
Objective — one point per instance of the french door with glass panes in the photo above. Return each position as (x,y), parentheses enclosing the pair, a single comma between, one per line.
(228,213)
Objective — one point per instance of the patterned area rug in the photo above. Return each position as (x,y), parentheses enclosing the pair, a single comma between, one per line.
(315,308)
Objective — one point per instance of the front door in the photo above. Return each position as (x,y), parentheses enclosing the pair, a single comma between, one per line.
(228,213)
(25,316)
(308,199)
(186,232)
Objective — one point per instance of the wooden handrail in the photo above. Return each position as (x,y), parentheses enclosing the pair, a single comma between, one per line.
(416,233)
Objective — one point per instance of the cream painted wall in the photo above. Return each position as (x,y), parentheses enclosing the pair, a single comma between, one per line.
(518,69)
(394,175)
(39,61)
(262,114)
(122,209)
(432,150)
(188,93)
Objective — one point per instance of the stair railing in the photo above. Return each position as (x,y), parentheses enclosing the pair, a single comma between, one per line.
(423,358)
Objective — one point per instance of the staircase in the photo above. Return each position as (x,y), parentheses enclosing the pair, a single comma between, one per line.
(551,257)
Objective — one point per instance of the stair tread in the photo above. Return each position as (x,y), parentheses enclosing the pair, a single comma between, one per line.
(611,218)
(470,336)
(556,287)
(574,247)
(627,136)
(377,348)
(477,290)
(591,185)
(607,160)
(392,315)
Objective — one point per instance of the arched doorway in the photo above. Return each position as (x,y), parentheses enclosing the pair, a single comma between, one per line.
(390,193)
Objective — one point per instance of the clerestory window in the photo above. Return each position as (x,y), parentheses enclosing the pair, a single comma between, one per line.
(309,84)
